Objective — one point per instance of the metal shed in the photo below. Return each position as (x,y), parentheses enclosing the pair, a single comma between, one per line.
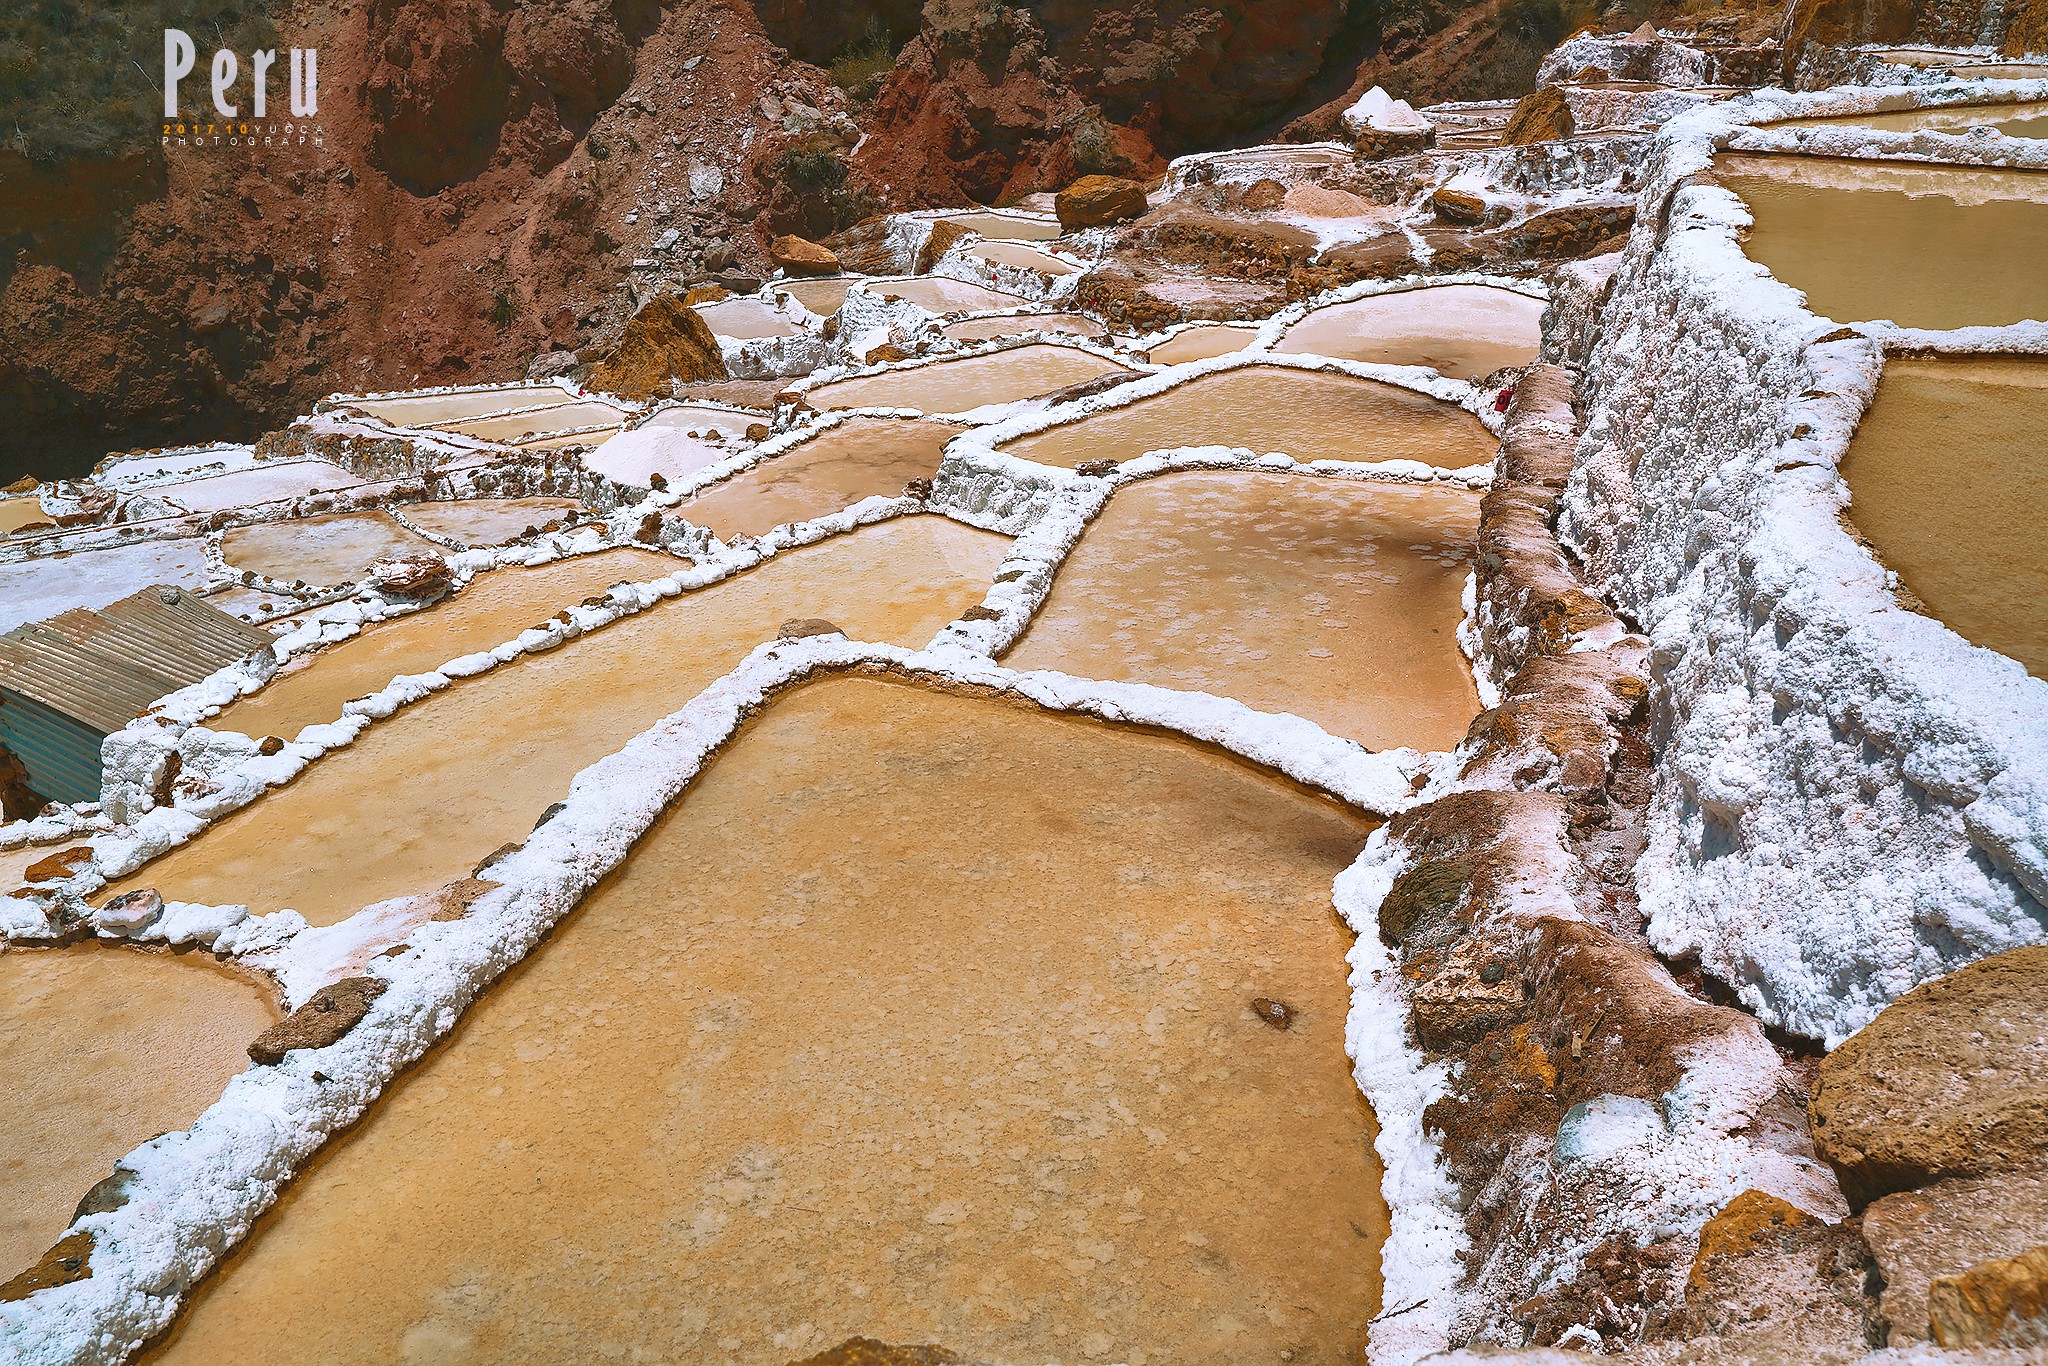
(67,683)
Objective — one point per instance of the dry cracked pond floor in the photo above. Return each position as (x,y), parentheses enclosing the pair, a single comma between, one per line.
(966,1054)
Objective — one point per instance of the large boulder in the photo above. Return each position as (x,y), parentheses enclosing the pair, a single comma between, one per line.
(1950,1080)
(1923,1236)
(666,341)
(1542,115)
(1094,200)
(1846,23)
(800,256)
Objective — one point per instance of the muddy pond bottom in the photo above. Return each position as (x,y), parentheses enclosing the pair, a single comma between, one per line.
(863,457)
(1308,414)
(1948,480)
(337,548)
(1463,331)
(417,410)
(1201,342)
(939,294)
(1335,600)
(419,799)
(1924,246)
(998,227)
(988,329)
(971,1059)
(489,521)
(821,297)
(968,382)
(103,1049)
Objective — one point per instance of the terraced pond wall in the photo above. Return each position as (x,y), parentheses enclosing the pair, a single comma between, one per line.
(1849,799)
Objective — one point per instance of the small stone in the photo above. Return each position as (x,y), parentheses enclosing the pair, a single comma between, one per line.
(1456,206)
(1094,200)
(800,256)
(132,911)
(796,628)
(57,867)
(70,1260)
(415,578)
(1278,1014)
(331,1013)
(268,745)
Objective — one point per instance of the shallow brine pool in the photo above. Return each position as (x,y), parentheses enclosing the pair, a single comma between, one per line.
(337,548)
(1463,331)
(968,382)
(919,1017)
(860,458)
(1335,600)
(937,294)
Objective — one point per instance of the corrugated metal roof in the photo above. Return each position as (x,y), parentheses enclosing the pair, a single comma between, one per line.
(105,667)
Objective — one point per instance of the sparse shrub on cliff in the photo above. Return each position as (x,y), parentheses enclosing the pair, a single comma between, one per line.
(862,65)
(1094,148)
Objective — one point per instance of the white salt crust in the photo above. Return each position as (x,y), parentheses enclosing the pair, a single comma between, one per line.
(1851,799)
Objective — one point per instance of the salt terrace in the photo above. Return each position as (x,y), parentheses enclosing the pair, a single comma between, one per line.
(1017,881)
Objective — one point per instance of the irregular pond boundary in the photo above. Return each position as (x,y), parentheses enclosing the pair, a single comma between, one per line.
(189,1197)
(1792,687)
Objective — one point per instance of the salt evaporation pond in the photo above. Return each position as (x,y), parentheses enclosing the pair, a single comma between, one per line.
(2027,120)
(419,799)
(860,458)
(675,443)
(493,609)
(20,512)
(488,521)
(416,410)
(1924,246)
(1463,331)
(937,294)
(1308,414)
(337,548)
(988,329)
(33,590)
(965,1055)
(1200,343)
(746,319)
(1947,478)
(1023,257)
(822,297)
(968,382)
(1335,600)
(1006,227)
(103,1049)
(261,484)
(562,417)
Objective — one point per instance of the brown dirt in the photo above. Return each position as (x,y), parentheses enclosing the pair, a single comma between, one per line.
(331,1013)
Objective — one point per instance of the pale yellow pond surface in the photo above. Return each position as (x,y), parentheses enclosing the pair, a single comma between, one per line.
(1463,331)
(419,799)
(860,458)
(102,1049)
(987,329)
(489,521)
(1307,414)
(937,294)
(1005,227)
(968,382)
(962,1052)
(494,608)
(563,417)
(746,319)
(2023,120)
(1024,257)
(1335,600)
(822,297)
(19,512)
(337,548)
(1200,343)
(1924,246)
(419,409)
(1948,478)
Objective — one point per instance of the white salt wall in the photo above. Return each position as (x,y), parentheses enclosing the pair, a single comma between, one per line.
(1850,798)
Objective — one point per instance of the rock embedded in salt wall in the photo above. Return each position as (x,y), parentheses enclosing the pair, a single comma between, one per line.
(1947,1081)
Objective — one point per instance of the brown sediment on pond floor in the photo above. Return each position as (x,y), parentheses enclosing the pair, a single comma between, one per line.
(1924,246)
(489,521)
(969,382)
(417,800)
(746,319)
(20,512)
(1023,257)
(860,458)
(1308,414)
(988,329)
(493,609)
(2022,120)
(1200,343)
(965,1054)
(418,409)
(562,417)
(337,548)
(822,297)
(102,1049)
(1332,599)
(938,294)
(1948,480)
(1464,331)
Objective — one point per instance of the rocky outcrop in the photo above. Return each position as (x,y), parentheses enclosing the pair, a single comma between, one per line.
(1542,115)
(2026,28)
(667,341)
(1095,200)
(330,1013)
(798,256)
(425,577)
(1919,1237)
(1997,1304)
(1845,23)
(1948,1080)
